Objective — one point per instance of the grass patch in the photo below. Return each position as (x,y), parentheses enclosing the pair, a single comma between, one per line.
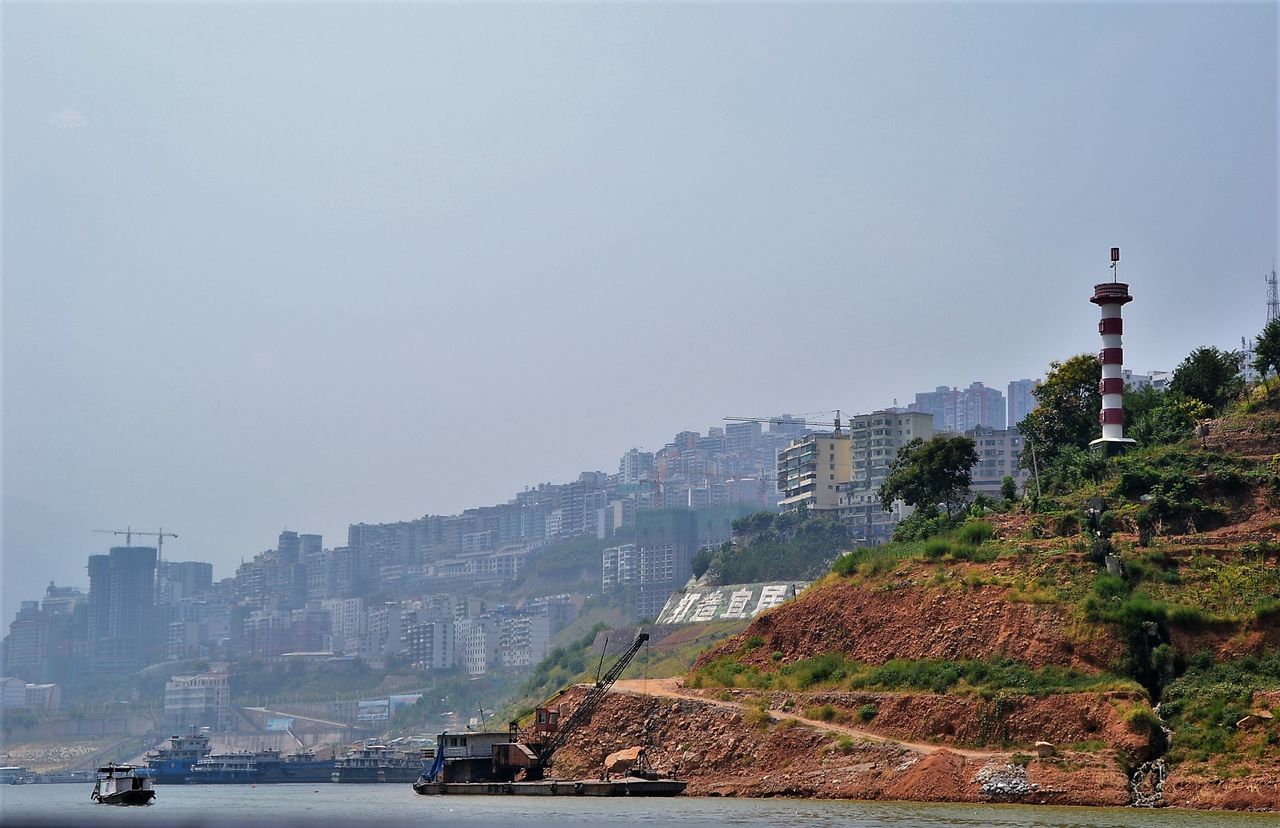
(834,671)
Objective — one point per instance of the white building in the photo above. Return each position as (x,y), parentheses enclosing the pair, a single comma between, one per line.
(201,700)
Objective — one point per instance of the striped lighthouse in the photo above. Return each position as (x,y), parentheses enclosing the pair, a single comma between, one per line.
(1111,297)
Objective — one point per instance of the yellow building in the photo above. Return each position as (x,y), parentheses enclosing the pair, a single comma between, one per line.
(809,469)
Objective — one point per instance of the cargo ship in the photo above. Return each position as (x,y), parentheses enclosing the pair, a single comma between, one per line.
(262,767)
(378,763)
(171,764)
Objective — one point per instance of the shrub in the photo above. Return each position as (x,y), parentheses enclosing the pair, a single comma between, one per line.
(975,532)
(753,643)
(936,548)
(825,713)
(1143,721)
(844,744)
(758,717)
(867,712)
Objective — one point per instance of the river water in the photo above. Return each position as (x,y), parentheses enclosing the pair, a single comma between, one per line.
(315,806)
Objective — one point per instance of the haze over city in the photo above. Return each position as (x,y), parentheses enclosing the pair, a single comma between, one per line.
(300,266)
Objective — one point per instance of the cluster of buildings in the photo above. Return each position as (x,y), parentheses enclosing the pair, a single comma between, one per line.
(410,589)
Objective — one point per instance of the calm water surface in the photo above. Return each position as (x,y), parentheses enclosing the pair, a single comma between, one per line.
(397,805)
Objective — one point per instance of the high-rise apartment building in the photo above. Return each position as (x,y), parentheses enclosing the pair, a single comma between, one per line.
(809,469)
(956,410)
(999,450)
(1022,401)
(875,440)
(121,602)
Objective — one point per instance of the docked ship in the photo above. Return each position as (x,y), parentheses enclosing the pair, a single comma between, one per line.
(171,764)
(259,768)
(123,785)
(378,763)
(516,762)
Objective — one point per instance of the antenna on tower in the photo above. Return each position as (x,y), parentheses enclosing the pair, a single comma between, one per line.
(1115,264)
(1273,297)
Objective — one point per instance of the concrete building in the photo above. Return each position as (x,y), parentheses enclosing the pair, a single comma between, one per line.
(428,642)
(876,439)
(29,642)
(809,469)
(200,700)
(523,639)
(43,697)
(13,693)
(998,451)
(121,603)
(860,509)
(1022,400)
(183,579)
(620,566)
(959,410)
(477,644)
(635,466)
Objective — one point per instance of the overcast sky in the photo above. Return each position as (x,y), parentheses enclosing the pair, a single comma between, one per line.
(302,265)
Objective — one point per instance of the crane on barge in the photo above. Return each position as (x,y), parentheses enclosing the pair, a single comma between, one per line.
(531,757)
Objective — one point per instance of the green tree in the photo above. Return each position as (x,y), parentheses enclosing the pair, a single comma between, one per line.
(1008,489)
(932,472)
(1154,417)
(1266,353)
(1066,414)
(1208,375)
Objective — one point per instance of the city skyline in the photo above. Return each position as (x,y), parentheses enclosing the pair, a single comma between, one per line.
(299,266)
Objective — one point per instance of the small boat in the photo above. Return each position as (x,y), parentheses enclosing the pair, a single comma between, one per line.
(123,785)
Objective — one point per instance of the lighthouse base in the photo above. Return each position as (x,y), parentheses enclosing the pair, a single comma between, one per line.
(1112,446)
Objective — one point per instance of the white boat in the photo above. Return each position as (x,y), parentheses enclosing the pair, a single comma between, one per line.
(123,785)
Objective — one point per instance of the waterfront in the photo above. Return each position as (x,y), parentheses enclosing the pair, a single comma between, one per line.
(393,805)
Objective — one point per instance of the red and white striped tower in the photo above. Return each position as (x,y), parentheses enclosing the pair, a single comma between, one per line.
(1111,297)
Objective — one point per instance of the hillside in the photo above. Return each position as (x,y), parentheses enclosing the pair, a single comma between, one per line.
(1011,630)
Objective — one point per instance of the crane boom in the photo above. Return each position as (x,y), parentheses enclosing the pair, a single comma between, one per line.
(587,707)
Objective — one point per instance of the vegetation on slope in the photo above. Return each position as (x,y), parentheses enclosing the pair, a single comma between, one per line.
(793,545)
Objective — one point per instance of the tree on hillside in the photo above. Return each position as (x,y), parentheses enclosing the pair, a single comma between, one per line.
(1208,375)
(1154,417)
(1066,414)
(1266,353)
(929,473)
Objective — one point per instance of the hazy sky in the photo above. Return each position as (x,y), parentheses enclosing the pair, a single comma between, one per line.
(301,265)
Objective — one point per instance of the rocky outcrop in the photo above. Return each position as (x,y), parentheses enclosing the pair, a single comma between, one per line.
(720,752)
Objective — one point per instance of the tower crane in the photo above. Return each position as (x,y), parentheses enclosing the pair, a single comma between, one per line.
(129,532)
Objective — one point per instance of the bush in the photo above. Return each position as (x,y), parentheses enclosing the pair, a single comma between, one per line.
(752,643)
(867,712)
(758,717)
(844,744)
(825,713)
(975,532)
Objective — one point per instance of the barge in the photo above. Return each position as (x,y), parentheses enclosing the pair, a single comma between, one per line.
(515,762)
(627,786)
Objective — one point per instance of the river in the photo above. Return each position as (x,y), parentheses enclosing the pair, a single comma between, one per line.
(395,805)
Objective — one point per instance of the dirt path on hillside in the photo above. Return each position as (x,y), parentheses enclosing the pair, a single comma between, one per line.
(673,688)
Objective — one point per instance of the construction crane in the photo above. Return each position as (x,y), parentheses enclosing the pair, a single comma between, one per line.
(129,532)
(787,420)
(587,707)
